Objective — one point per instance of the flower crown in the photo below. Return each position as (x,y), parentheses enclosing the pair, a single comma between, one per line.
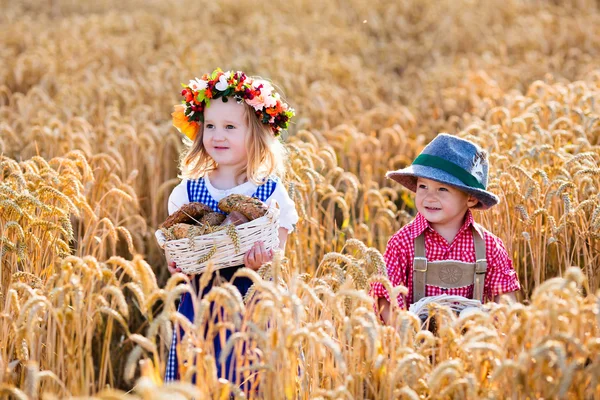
(257,93)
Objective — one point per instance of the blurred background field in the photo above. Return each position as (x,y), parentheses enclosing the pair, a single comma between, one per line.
(89,157)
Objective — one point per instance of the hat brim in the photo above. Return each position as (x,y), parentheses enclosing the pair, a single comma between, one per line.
(408,178)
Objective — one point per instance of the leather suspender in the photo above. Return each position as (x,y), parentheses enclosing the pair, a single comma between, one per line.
(419,268)
(480,265)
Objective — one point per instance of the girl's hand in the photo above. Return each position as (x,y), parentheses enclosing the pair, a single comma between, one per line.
(173,269)
(257,256)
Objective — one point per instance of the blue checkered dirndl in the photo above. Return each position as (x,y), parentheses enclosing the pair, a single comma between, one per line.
(198,192)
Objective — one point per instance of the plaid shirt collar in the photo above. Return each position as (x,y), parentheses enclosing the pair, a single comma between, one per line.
(420,225)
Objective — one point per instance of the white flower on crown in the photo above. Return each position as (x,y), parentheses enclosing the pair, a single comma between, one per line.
(222,85)
(265,99)
(198,84)
(477,169)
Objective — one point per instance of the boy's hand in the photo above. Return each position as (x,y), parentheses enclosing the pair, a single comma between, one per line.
(384,307)
(512,297)
(257,256)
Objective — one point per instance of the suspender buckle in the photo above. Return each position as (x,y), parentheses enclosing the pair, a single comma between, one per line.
(420,264)
(481,267)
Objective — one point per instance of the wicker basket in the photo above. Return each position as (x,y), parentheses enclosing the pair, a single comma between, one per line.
(194,254)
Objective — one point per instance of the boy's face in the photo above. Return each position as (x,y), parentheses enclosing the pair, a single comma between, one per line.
(441,204)
(225,133)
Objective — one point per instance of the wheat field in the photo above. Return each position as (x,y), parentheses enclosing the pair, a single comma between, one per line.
(88,158)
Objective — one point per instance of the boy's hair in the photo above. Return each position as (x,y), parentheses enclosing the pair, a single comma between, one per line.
(266,154)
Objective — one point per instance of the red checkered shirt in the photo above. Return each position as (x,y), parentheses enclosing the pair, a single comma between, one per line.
(400,252)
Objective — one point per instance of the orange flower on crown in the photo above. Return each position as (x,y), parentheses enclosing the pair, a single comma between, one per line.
(181,122)
(272,111)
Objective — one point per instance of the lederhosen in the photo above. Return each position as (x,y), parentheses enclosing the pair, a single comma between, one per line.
(449,274)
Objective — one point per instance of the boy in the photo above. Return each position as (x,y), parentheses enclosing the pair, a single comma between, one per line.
(443,251)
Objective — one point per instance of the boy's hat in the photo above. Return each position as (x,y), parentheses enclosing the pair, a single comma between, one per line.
(454,161)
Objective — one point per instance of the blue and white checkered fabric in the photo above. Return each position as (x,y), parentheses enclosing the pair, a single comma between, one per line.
(198,192)
(171,373)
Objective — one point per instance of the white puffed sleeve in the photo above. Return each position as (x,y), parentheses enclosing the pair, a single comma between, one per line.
(178,197)
(288,216)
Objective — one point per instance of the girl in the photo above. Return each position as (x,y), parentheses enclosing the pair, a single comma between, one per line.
(234,122)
